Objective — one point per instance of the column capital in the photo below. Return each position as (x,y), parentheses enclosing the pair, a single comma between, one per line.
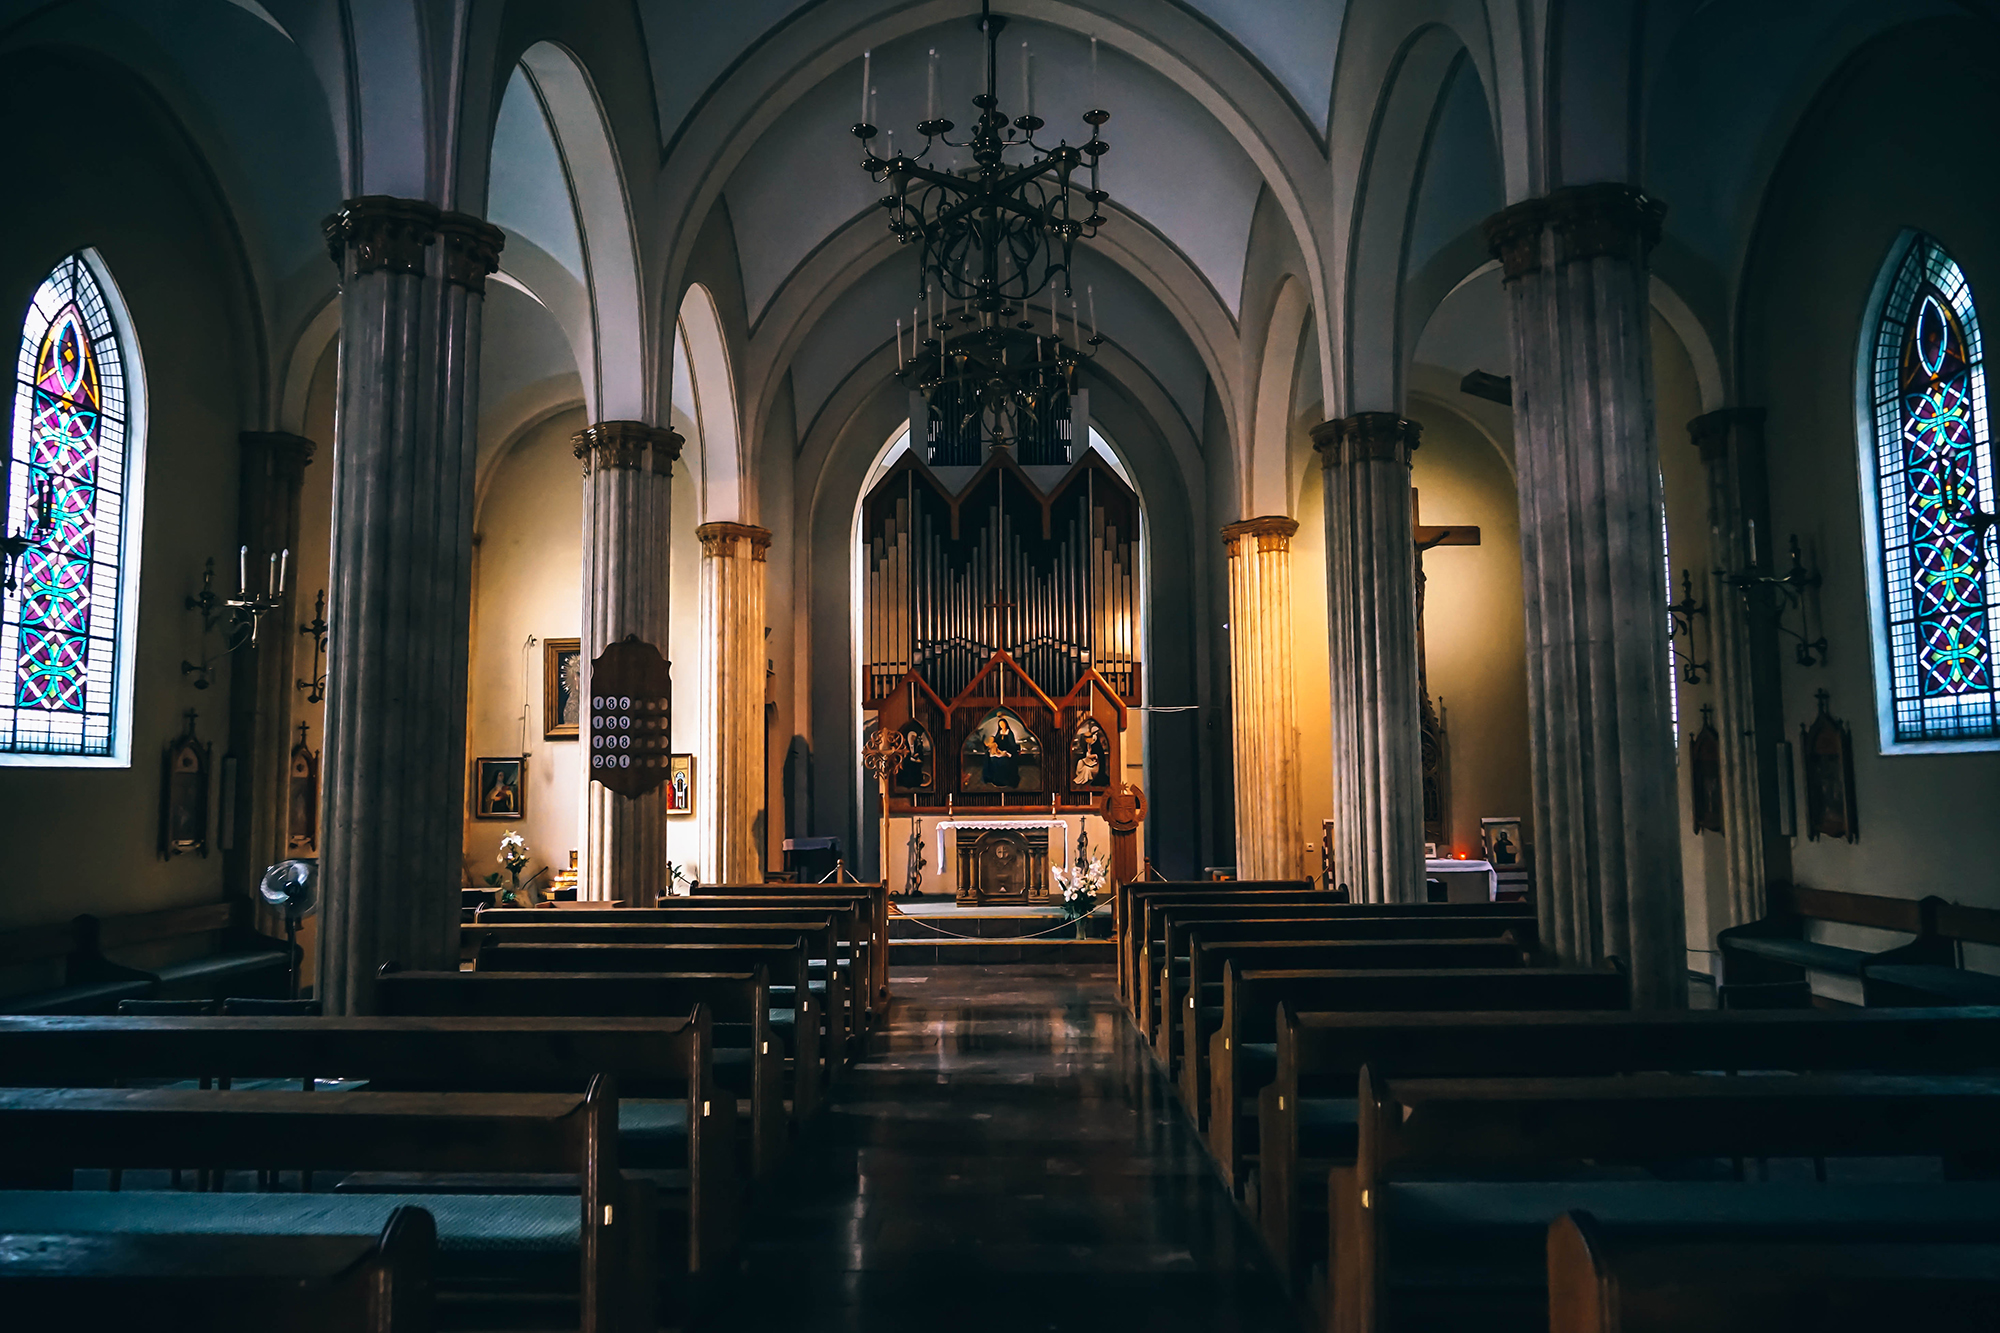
(721,539)
(1713,432)
(383,232)
(1274,532)
(287,455)
(1588,221)
(1367,437)
(627,444)
(471,249)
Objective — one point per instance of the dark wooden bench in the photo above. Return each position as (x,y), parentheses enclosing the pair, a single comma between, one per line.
(599,1243)
(841,988)
(195,1283)
(751,1058)
(243,962)
(1908,982)
(1625,1279)
(784,964)
(874,896)
(1243,1053)
(1128,908)
(1307,1117)
(1768,962)
(1186,1027)
(1443,1219)
(675,1124)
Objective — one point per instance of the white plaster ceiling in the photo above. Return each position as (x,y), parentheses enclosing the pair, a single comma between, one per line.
(1469,330)
(1461,184)
(529,193)
(1294,39)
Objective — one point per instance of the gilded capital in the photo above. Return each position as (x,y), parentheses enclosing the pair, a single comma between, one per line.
(1714,432)
(1607,219)
(471,249)
(1514,236)
(382,233)
(284,454)
(1367,437)
(723,540)
(628,444)
(1274,532)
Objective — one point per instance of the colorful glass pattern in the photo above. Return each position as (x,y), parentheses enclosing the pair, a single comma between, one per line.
(1935,479)
(59,640)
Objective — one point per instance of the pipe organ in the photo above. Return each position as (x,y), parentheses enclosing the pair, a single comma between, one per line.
(998,633)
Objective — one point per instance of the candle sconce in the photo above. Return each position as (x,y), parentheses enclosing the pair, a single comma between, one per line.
(1680,625)
(41,525)
(238,617)
(315,629)
(1789,594)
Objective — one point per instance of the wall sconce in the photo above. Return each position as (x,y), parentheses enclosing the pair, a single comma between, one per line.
(315,629)
(41,524)
(1788,595)
(238,616)
(1680,625)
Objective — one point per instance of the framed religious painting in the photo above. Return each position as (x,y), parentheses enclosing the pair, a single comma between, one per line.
(1001,754)
(562,703)
(500,788)
(1705,776)
(680,784)
(1500,839)
(918,771)
(1088,761)
(1826,749)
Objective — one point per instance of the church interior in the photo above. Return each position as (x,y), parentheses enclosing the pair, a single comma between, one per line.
(1071,664)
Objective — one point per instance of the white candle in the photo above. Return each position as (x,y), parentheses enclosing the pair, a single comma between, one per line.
(899,346)
(1091,292)
(930,92)
(284,561)
(1027,97)
(242,570)
(867,66)
(1093,74)
(271,576)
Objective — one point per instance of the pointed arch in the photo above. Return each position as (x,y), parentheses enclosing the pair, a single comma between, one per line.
(1267,484)
(727,494)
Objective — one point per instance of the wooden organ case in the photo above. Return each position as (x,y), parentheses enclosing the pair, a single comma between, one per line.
(999,636)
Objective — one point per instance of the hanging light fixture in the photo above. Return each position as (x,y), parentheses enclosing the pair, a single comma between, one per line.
(992,239)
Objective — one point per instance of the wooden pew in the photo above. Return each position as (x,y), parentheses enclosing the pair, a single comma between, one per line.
(242,963)
(844,988)
(193,1283)
(1444,1216)
(1186,1026)
(1306,1118)
(874,894)
(1611,1279)
(1163,989)
(661,1058)
(749,1055)
(784,964)
(1242,1053)
(44,1129)
(1897,981)
(1768,962)
(1128,908)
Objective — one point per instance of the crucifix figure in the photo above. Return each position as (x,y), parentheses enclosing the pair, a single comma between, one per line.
(1436,817)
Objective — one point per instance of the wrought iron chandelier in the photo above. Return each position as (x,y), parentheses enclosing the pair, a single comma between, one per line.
(992,237)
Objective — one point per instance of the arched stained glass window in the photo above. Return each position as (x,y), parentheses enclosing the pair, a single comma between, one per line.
(73,482)
(1934,611)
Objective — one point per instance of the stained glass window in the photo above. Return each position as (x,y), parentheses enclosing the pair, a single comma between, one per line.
(68,621)
(1934,491)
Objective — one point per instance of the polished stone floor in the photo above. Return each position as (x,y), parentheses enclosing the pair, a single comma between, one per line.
(1007,1157)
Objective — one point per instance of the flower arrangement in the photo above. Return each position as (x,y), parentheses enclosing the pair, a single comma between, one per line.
(513,855)
(1080,885)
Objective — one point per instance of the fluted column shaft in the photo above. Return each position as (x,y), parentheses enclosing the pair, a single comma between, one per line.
(1745,653)
(1264,697)
(271,475)
(627,520)
(1378,766)
(1606,836)
(732,629)
(399,601)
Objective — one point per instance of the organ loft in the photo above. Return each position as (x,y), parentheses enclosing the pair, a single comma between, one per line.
(1162,664)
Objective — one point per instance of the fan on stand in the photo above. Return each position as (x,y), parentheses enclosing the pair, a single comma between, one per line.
(293,888)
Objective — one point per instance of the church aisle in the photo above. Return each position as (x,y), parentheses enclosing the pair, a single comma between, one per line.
(1005,1158)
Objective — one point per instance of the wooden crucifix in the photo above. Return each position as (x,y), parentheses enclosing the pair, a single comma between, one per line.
(1436,815)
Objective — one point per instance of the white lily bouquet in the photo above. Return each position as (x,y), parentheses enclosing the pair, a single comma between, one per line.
(513,855)
(1081,883)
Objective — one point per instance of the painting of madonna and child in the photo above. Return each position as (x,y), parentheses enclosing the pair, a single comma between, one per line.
(1002,754)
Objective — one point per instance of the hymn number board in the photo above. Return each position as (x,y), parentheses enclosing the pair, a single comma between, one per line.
(631,715)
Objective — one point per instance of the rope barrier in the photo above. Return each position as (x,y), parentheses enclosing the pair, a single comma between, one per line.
(984,939)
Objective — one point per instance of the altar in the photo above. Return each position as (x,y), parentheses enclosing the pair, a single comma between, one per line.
(999,860)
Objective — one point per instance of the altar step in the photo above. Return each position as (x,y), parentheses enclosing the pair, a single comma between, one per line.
(939,951)
(996,937)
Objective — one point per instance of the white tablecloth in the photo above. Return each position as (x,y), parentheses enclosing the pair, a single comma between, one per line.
(1449,868)
(944,844)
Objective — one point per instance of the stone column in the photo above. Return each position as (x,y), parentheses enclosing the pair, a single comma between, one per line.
(627,475)
(1745,654)
(732,632)
(260,704)
(1606,834)
(1264,693)
(1378,763)
(399,601)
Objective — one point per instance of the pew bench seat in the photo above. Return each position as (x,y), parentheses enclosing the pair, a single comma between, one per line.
(249,972)
(1929,983)
(482,1239)
(1809,954)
